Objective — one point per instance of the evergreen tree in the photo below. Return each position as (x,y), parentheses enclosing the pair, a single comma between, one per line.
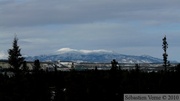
(165,55)
(15,58)
(37,66)
(137,68)
(25,68)
(114,64)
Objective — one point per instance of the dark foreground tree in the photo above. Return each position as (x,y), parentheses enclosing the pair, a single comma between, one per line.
(165,55)
(114,64)
(15,58)
(25,68)
(37,66)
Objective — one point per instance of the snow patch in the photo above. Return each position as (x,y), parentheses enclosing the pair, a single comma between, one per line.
(66,50)
(3,55)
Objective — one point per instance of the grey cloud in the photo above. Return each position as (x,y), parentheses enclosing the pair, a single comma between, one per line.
(42,12)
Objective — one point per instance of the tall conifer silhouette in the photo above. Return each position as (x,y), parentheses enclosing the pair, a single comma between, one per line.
(165,55)
(37,66)
(15,58)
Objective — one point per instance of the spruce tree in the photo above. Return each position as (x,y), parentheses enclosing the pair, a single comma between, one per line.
(37,66)
(114,64)
(15,58)
(25,68)
(165,55)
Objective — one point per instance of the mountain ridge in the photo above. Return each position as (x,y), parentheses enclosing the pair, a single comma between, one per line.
(96,56)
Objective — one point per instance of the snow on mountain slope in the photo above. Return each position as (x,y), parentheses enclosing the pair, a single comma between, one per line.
(68,50)
(68,54)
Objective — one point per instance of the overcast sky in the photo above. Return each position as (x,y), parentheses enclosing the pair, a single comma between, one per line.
(134,27)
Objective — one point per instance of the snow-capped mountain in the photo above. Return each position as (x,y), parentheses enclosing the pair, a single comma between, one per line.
(67,54)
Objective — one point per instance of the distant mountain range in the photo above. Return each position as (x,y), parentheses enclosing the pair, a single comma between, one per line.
(67,54)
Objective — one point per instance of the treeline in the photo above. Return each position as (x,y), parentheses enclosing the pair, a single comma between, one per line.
(109,85)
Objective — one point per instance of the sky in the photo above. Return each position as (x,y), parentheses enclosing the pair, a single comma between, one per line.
(131,27)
